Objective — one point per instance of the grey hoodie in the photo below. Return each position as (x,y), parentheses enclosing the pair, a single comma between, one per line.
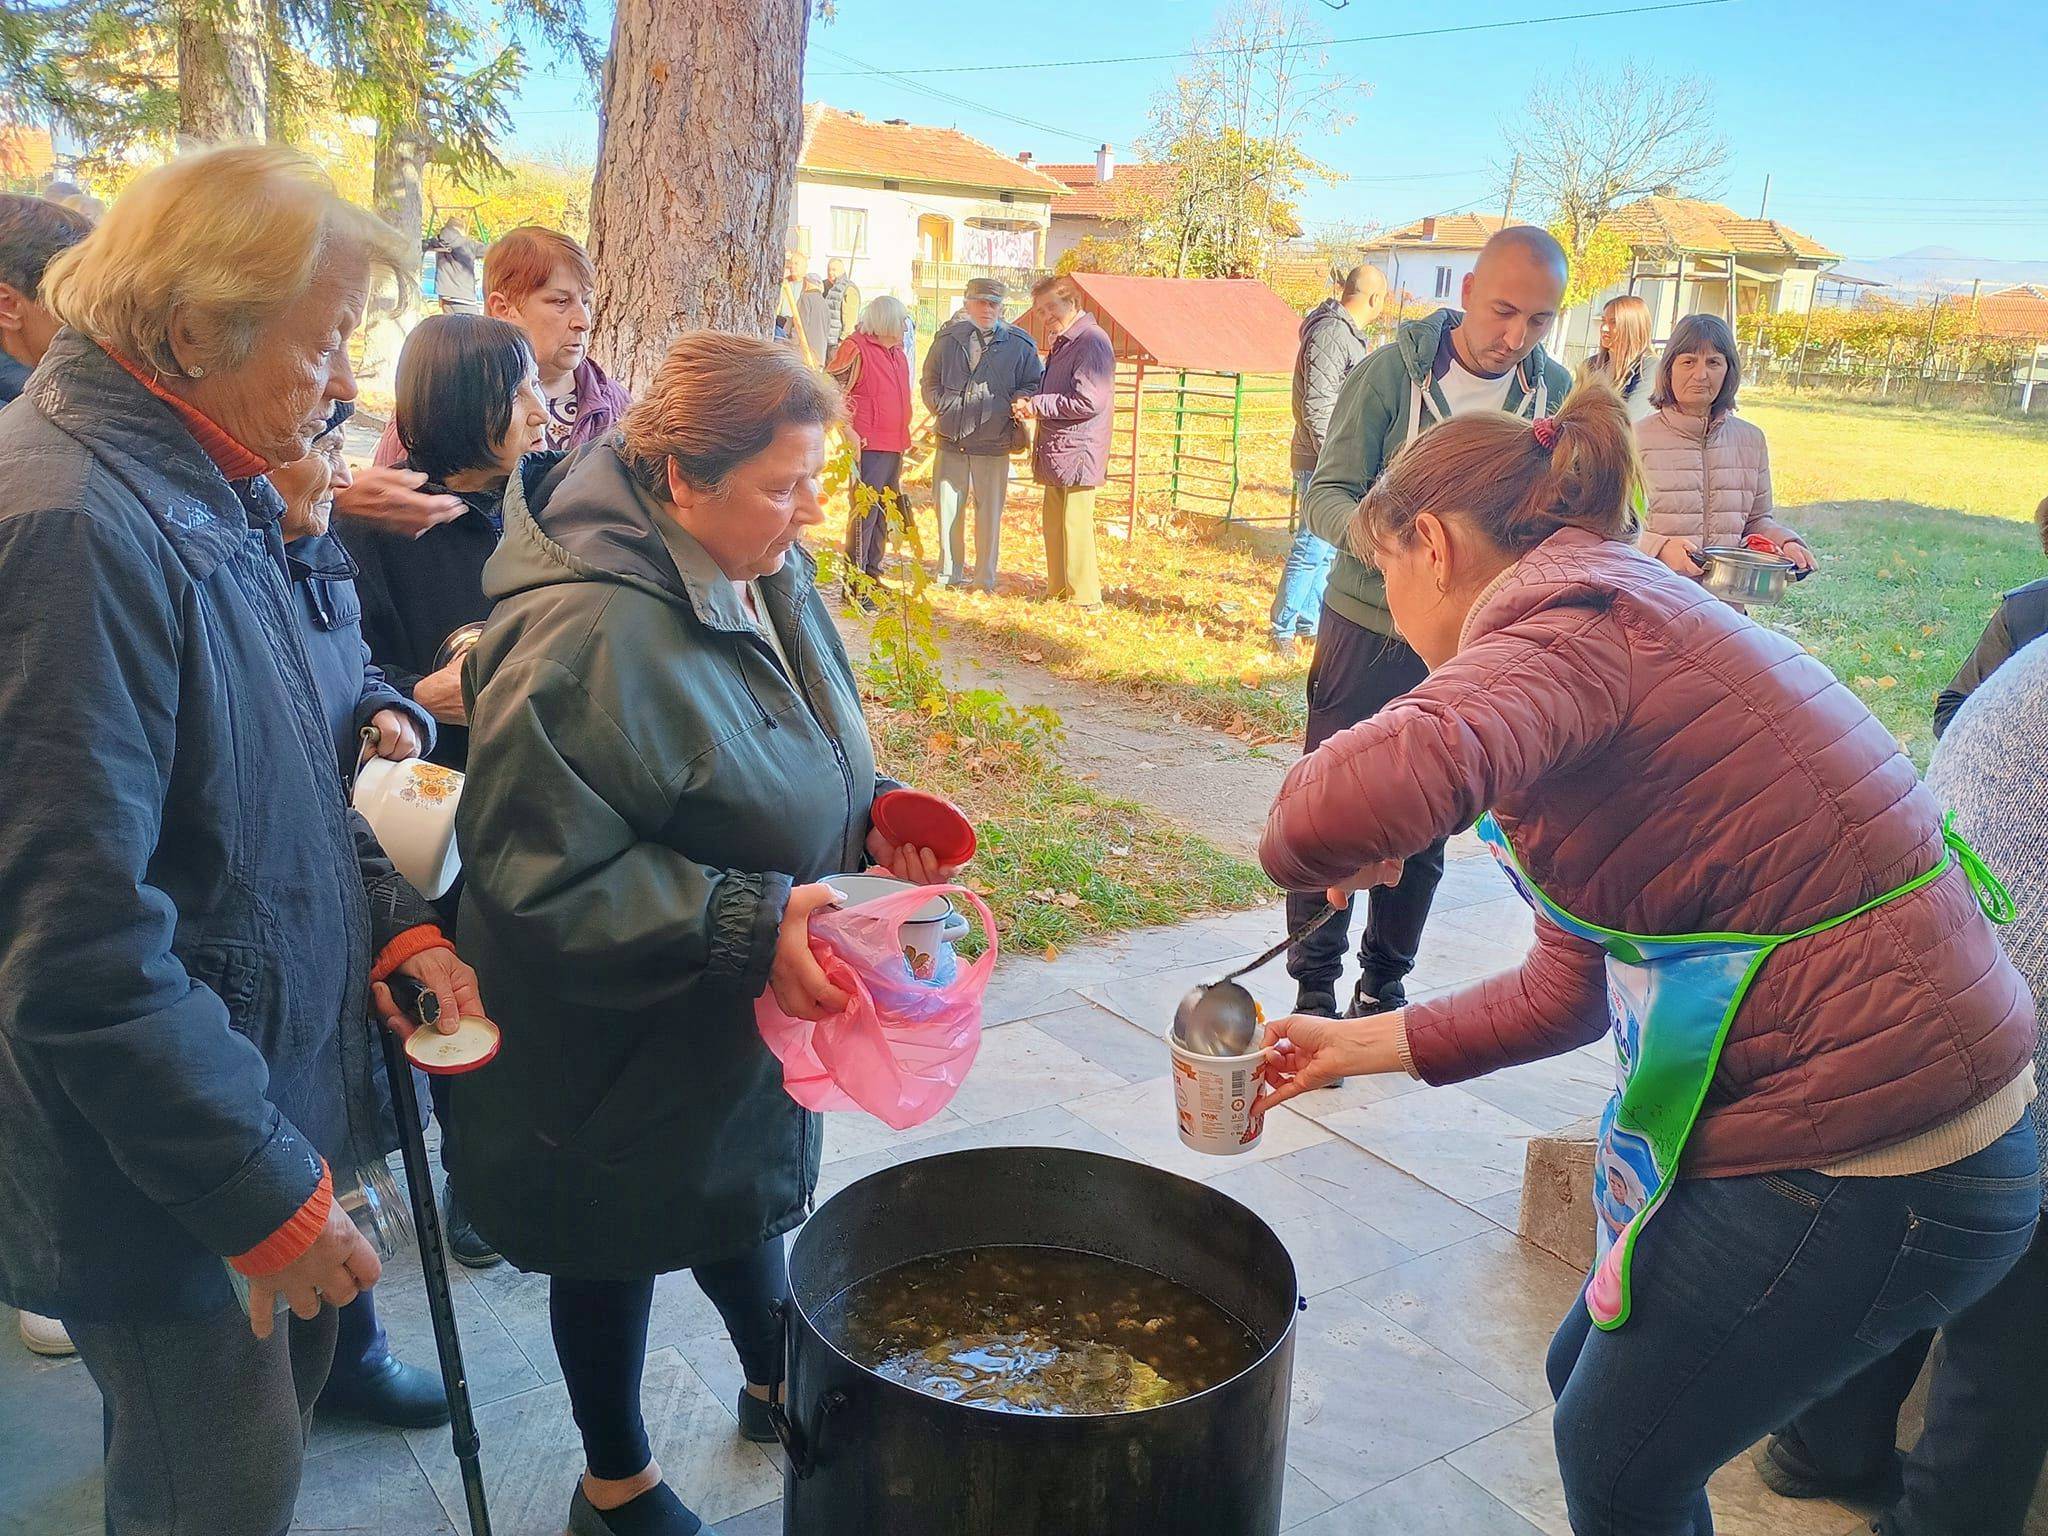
(1375,411)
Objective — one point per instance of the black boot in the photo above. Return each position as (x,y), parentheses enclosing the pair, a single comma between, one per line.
(464,1242)
(1790,1472)
(388,1392)
(755,1422)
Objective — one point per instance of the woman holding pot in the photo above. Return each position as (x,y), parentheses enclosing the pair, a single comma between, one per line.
(1821,1145)
(1706,472)
(667,762)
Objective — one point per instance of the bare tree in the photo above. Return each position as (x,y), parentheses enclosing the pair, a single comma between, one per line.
(1605,136)
(696,171)
(1244,128)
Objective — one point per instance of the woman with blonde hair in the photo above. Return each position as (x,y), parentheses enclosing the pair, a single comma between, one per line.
(872,369)
(193,924)
(1819,1146)
(1624,355)
(660,674)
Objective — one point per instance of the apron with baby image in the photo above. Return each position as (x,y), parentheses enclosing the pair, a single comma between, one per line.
(1670,1002)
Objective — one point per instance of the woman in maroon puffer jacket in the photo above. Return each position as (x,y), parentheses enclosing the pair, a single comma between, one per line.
(1677,790)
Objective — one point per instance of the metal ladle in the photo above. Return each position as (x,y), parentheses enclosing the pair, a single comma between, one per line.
(1219,1018)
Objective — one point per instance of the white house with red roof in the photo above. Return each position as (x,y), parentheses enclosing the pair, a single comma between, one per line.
(914,210)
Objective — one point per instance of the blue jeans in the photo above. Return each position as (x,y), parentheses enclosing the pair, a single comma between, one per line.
(1302,579)
(1754,1297)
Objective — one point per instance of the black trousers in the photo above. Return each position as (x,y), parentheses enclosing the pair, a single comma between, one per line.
(867,533)
(1356,673)
(1974,1470)
(600,1329)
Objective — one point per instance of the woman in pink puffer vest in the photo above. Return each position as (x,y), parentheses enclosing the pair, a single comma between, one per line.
(1706,472)
(1820,1147)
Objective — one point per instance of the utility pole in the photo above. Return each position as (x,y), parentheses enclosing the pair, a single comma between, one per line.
(1763,209)
(1507,209)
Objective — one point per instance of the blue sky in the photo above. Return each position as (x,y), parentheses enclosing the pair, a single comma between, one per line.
(1885,126)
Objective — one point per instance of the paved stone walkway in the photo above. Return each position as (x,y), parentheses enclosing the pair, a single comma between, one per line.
(1419,1400)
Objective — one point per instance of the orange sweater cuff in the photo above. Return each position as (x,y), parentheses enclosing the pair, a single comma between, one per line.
(292,1239)
(414,941)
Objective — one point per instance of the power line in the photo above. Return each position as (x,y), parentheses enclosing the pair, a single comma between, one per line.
(1335,42)
(935,94)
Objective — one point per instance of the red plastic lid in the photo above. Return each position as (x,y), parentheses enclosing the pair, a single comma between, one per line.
(910,817)
(474,1042)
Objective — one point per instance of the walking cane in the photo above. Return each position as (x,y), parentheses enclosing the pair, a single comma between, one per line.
(426,1219)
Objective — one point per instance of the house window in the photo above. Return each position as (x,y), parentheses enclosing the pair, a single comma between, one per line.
(850,231)
(1443,282)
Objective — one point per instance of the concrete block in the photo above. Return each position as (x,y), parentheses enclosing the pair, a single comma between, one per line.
(1557,1194)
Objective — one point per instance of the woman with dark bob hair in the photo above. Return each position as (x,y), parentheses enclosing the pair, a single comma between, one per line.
(1706,472)
(667,761)
(469,412)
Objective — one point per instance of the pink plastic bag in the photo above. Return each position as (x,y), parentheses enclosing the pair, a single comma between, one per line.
(901,1047)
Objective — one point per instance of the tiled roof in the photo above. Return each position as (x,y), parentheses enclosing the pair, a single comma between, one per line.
(1690,224)
(26,154)
(2020,311)
(1094,199)
(1454,232)
(854,145)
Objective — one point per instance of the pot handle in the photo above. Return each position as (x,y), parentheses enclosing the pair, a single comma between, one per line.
(954,928)
(802,1453)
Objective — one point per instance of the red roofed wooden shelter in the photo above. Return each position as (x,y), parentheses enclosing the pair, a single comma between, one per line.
(1208,334)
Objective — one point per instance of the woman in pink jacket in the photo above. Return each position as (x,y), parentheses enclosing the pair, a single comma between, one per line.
(873,371)
(1706,471)
(1818,1143)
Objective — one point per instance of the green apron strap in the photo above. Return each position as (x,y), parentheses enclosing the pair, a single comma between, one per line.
(1993,899)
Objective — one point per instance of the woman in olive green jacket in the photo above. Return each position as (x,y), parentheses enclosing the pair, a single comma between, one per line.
(667,759)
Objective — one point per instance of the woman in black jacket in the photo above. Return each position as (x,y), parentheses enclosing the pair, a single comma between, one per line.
(469,412)
(470,416)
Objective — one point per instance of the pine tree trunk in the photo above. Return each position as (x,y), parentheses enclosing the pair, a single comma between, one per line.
(397,196)
(223,74)
(696,172)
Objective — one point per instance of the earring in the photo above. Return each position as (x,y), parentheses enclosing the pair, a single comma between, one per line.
(195,372)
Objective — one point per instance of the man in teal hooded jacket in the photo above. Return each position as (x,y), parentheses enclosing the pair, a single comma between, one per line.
(1489,357)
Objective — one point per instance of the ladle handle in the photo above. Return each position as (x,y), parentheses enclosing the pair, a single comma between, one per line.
(1289,942)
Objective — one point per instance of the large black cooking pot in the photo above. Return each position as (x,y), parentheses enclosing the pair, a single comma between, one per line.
(869,1457)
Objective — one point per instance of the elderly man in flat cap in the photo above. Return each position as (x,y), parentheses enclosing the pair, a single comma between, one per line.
(975,369)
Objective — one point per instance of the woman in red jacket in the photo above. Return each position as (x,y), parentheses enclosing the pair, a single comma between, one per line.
(1817,1146)
(872,369)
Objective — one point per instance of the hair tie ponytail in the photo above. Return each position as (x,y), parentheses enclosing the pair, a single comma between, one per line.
(1545,430)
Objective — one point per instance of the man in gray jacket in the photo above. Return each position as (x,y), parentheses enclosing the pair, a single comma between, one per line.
(1487,358)
(1334,340)
(975,370)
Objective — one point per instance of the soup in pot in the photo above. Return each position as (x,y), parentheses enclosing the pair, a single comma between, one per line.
(1038,1330)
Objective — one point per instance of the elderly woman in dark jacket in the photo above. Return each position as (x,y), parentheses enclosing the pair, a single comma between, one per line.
(1070,457)
(667,760)
(193,924)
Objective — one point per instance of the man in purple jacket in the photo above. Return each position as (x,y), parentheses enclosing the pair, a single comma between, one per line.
(1069,458)
(544,283)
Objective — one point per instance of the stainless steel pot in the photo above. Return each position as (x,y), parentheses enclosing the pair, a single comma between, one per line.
(1739,575)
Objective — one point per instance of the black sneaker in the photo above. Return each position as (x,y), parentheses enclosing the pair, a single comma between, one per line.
(657,1512)
(1788,1471)
(465,1244)
(389,1392)
(1367,1001)
(755,1424)
(1316,1001)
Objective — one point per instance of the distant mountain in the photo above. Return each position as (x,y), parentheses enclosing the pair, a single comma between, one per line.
(1944,269)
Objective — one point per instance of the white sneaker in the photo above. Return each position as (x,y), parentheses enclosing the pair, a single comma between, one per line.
(45,1335)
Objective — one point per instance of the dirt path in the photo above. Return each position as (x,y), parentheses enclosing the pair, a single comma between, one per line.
(1196,776)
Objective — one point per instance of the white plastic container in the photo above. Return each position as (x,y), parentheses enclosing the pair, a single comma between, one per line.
(1212,1099)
